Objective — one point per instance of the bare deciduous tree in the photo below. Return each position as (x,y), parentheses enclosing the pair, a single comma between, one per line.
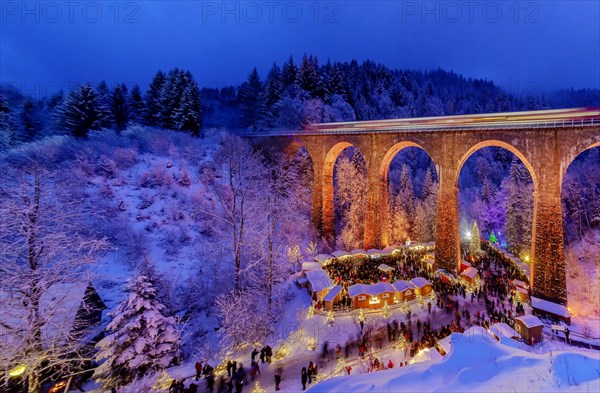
(43,245)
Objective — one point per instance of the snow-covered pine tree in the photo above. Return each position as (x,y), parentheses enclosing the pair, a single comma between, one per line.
(187,116)
(82,111)
(104,100)
(119,107)
(136,105)
(140,339)
(250,100)
(288,73)
(152,99)
(272,94)
(475,244)
(170,97)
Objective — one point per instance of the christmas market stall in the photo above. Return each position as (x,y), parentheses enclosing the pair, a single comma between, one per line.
(319,283)
(470,275)
(333,296)
(405,291)
(371,296)
(422,285)
(554,311)
(529,327)
(429,261)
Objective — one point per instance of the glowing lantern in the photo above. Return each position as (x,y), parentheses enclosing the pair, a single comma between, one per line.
(17,371)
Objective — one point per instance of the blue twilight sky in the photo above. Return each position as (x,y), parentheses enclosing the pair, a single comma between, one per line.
(522,46)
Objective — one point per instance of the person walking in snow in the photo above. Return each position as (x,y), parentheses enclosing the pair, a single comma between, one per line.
(304,378)
(277,378)
(263,354)
(198,367)
(253,355)
(390,364)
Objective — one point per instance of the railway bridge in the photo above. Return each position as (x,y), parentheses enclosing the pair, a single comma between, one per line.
(545,141)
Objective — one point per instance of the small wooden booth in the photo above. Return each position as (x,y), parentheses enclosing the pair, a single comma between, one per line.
(319,283)
(333,296)
(405,291)
(470,275)
(548,309)
(529,326)
(521,289)
(371,296)
(464,265)
(422,285)
(388,270)
(429,261)
(501,329)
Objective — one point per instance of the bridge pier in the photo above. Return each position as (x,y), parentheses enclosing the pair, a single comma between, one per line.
(447,236)
(548,273)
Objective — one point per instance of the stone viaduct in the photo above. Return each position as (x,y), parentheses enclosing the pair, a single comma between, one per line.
(545,146)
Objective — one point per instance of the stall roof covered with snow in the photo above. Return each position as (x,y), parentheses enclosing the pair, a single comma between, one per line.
(319,280)
(501,329)
(385,268)
(470,272)
(306,266)
(333,294)
(340,254)
(402,285)
(68,308)
(420,282)
(389,249)
(554,310)
(358,251)
(323,257)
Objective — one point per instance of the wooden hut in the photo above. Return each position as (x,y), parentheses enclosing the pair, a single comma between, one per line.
(469,275)
(429,261)
(548,309)
(529,326)
(422,285)
(405,291)
(319,283)
(522,294)
(464,265)
(333,296)
(371,296)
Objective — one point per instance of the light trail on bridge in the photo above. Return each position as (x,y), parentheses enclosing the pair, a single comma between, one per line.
(560,117)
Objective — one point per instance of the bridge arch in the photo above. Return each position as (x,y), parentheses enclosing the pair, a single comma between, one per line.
(384,170)
(573,154)
(328,191)
(504,145)
(534,178)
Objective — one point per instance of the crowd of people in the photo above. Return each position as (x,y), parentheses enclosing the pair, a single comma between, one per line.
(488,301)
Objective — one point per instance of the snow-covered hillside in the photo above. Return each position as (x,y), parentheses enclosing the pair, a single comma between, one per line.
(476,363)
(583,281)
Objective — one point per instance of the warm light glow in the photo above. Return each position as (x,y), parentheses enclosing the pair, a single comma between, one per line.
(526,258)
(374,300)
(17,371)
(469,235)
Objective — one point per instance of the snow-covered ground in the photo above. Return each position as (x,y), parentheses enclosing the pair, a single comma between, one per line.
(477,363)
(583,283)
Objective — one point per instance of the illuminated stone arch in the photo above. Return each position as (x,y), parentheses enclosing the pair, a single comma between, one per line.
(532,173)
(328,204)
(572,155)
(384,171)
